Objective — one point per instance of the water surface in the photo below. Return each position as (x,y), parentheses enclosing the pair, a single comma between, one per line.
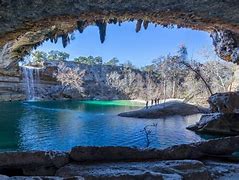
(61,125)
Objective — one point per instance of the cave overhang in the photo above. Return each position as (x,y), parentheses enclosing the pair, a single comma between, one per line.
(26,24)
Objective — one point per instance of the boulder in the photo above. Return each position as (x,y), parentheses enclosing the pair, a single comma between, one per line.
(32,163)
(41,178)
(222,169)
(224,102)
(2,177)
(113,153)
(184,169)
(170,108)
(217,123)
(220,146)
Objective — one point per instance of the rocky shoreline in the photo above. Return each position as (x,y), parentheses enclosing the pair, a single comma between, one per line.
(224,117)
(186,161)
(170,108)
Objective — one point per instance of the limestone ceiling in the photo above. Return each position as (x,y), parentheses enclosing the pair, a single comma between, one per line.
(25,24)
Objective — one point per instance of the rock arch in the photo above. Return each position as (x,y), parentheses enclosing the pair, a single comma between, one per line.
(25,24)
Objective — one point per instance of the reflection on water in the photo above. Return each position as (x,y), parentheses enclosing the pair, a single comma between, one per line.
(60,125)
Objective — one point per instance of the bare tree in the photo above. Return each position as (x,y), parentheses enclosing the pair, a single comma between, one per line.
(198,73)
(148,132)
(70,77)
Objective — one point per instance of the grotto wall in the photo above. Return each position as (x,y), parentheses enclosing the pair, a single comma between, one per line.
(25,24)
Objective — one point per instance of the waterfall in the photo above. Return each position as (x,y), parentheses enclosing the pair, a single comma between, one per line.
(3,54)
(31,79)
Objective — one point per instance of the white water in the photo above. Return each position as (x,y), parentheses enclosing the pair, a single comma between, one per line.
(31,79)
(3,51)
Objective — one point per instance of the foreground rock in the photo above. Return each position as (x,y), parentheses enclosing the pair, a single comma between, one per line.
(222,170)
(216,123)
(220,146)
(176,162)
(184,169)
(170,108)
(32,163)
(176,170)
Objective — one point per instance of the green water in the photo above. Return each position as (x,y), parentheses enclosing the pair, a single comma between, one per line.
(61,125)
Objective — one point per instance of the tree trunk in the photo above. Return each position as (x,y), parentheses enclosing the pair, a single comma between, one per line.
(174,89)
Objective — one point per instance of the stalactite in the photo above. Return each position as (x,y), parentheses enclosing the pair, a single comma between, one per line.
(120,22)
(65,40)
(102,29)
(146,24)
(113,21)
(56,38)
(138,25)
(81,26)
(52,39)
(68,40)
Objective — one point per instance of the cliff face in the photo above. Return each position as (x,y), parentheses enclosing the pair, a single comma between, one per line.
(11,89)
(103,82)
(99,82)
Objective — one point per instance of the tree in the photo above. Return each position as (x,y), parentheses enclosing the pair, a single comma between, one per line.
(90,60)
(183,53)
(148,68)
(112,62)
(39,56)
(220,73)
(58,56)
(129,65)
(172,74)
(148,132)
(98,60)
(81,59)
(70,77)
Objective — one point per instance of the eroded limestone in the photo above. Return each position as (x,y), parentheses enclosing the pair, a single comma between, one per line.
(27,25)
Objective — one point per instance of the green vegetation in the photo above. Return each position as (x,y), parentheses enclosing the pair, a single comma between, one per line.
(89,60)
(113,62)
(40,56)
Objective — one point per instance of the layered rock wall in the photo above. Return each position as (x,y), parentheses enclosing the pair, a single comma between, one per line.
(102,82)
(99,82)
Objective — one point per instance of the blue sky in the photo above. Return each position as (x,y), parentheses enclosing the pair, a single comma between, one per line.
(140,48)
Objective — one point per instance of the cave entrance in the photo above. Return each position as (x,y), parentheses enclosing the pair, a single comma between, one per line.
(175,74)
(122,64)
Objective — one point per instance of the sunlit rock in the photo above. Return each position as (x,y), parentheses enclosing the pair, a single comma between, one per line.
(224,102)
(185,169)
(170,108)
(217,123)
(226,45)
